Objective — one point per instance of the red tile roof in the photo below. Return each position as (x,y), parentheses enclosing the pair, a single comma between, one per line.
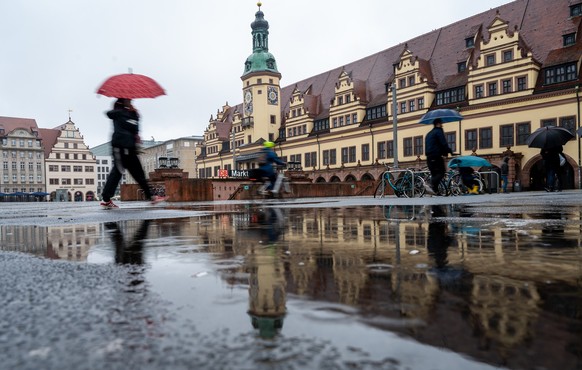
(541,24)
(49,137)
(10,124)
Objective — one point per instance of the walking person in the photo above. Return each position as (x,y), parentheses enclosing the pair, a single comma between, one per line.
(124,146)
(504,174)
(436,148)
(551,157)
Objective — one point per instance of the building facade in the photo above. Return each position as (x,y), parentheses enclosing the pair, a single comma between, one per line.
(175,153)
(69,164)
(22,160)
(508,71)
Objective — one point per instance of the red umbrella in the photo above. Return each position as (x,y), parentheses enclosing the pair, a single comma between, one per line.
(130,86)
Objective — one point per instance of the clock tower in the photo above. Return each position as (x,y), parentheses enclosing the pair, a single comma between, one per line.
(261,90)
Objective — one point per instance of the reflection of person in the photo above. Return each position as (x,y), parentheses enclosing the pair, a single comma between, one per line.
(273,223)
(504,173)
(468,179)
(438,239)
(124,149)
(436,147)
(128,251)
(551,157)
(267,161)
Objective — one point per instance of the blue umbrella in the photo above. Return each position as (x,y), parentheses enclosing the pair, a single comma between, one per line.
(445,115)
(468,161)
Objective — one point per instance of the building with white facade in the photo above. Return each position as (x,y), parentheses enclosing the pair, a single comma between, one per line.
(69,164)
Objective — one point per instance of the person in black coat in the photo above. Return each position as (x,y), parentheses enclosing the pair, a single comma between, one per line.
(436,148)
(551,157)
(124,147)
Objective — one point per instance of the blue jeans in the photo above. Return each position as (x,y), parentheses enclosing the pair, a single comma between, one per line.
(504,183)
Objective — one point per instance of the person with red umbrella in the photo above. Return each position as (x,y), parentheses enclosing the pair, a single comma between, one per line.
(125,140)
(124,147)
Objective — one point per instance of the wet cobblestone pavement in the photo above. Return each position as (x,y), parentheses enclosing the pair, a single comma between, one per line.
(482,282)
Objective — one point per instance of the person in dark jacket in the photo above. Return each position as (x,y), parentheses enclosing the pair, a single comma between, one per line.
(267,161)
(124,146)
(436,148)
(504,173)
(551,157)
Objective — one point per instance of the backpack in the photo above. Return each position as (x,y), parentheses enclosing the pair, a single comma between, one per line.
(262,158)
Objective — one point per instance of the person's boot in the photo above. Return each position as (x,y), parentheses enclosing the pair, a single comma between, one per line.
(475,189)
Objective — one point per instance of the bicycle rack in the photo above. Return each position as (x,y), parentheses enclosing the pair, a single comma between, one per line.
(396,172)
(489,182)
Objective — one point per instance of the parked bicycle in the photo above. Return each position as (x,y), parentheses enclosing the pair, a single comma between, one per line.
(405,183)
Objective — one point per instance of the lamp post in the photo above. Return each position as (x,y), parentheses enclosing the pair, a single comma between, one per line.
(579,131)
(395,122)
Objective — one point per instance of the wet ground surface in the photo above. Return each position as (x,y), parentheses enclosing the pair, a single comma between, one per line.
(477,282)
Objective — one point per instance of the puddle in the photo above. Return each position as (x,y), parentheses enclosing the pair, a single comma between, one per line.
(359,287)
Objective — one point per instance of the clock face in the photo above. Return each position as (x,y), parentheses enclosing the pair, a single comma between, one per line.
(248,106)
(272,95)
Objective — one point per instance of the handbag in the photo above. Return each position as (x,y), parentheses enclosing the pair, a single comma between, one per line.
(562,160)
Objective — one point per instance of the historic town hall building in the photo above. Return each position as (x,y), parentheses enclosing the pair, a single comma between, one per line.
(509,71)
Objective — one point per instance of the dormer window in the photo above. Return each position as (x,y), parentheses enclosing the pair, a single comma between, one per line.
(469,42)
(575,10)
(461,67)
(569,39)
(402,83)
(561,73)
(411,80)
(508,56)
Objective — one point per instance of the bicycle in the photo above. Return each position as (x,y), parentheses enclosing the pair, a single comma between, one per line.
(281,185)
(409,183)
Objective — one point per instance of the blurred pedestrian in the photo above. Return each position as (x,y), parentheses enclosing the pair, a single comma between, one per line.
(504,173)
(551,157)
(124,150)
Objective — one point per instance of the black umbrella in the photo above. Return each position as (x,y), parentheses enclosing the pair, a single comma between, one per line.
(549,137)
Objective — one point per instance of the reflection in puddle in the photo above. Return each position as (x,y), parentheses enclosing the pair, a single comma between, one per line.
(503,288)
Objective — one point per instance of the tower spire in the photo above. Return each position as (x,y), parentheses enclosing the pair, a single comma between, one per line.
(260,60)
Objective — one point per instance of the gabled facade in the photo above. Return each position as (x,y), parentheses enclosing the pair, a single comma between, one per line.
(509,71)
(69,164)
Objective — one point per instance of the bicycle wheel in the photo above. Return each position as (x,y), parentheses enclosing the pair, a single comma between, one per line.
(456,186)
(481,183)
(453,186)
(419,186)
(405,188)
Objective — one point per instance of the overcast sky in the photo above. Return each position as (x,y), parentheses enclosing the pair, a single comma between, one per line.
(56,53)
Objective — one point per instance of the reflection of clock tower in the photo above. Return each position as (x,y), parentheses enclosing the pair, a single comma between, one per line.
(261,104)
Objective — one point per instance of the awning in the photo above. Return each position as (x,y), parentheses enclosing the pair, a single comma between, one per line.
(251,157)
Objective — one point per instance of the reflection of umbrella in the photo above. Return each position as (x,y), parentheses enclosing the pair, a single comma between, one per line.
(549,137)
(130,86)
(469,161)
(445,115)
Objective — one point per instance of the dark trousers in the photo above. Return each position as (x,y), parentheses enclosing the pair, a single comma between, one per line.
(125,159)
(436,166)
